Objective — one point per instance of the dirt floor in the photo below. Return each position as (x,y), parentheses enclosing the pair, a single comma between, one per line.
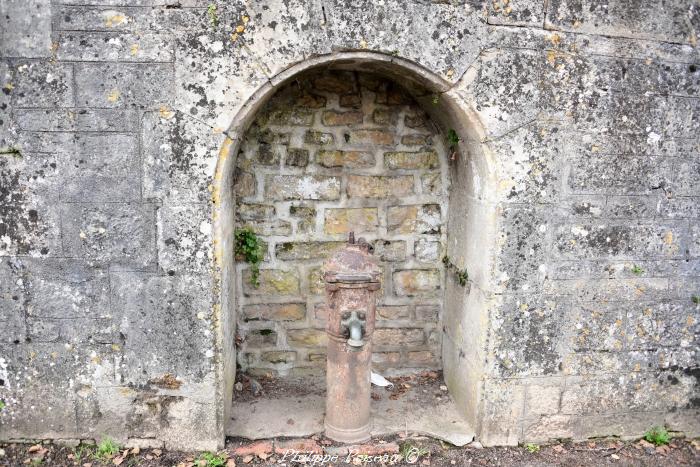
(430,452)
(404,449)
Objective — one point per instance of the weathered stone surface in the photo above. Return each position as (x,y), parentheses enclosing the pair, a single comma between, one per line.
(332,118)
(350,159)
(118,85)
(302,187)
(161,327)
(424,219)
(416,282)
(397,337)
(651,20)
(387,250)
(272,281)
(307,338)
(360,186)
(122,234)
(392,312)
(100,47)
(275,312)
(411,160)
(39,84)
(26,29)
(341,221)
(306,250)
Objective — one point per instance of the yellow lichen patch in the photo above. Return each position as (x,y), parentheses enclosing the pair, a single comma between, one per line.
(116,347)
(551,57)
(668,238)
(113,95)
(126,391)
(166,112)
(134,49)
(363,44)
(595,148)
(167,381)
(9,87)
(117,19)
(555,39)
(240,29)
(690,321)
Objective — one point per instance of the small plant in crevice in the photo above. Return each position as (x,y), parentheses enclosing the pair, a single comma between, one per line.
(453,141)
(2,405)
(213,15)
(657,435)
(461,274)
(637,271)
(532,448)
(695,299)
(106,449)
(209,459)
(412,453)
(11,151)
(81,453)
(436,99)
(249,249)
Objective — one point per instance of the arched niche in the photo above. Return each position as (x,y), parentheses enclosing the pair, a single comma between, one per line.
(471,222)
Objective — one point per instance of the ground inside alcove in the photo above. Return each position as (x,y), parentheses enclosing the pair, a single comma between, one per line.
(291,407)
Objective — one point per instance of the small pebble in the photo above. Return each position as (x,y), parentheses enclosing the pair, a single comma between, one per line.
(239,386)
(2,453)
(443,388)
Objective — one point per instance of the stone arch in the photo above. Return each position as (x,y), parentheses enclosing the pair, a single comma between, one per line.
(471,222)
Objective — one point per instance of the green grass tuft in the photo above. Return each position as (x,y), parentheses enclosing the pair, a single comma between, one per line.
(657,435)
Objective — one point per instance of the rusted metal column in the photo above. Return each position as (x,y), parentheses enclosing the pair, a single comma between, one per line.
(352,279)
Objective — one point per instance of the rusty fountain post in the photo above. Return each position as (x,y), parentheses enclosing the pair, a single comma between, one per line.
(352,279)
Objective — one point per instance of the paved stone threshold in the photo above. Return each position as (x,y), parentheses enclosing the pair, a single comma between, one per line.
(423,409)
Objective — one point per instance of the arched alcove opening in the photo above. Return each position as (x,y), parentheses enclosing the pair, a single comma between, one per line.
(419,195)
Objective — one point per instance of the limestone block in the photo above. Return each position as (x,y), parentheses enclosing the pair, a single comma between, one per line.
(411,160)
(302,187)
(423,219)
(120,233)
(349,159)
(163,319)
(367,186)
(390,250)
(392,312)
(275,312)
(26,28)
(344,220)
(114,47)
(307,338)
(651,20)
(335,118)
(387,337)
(119,85)
(416,282)
(39,84)
(272,281)
(306,250)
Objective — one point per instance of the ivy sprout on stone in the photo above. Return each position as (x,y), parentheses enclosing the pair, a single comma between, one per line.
(461,274)
(249,249)
(213,16)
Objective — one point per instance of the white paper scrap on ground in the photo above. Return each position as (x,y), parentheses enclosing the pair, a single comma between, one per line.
(379,380)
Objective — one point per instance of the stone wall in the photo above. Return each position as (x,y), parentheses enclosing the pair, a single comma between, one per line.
(573,204)
(332,153)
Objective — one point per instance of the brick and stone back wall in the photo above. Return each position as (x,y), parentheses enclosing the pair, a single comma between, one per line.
(333,153)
